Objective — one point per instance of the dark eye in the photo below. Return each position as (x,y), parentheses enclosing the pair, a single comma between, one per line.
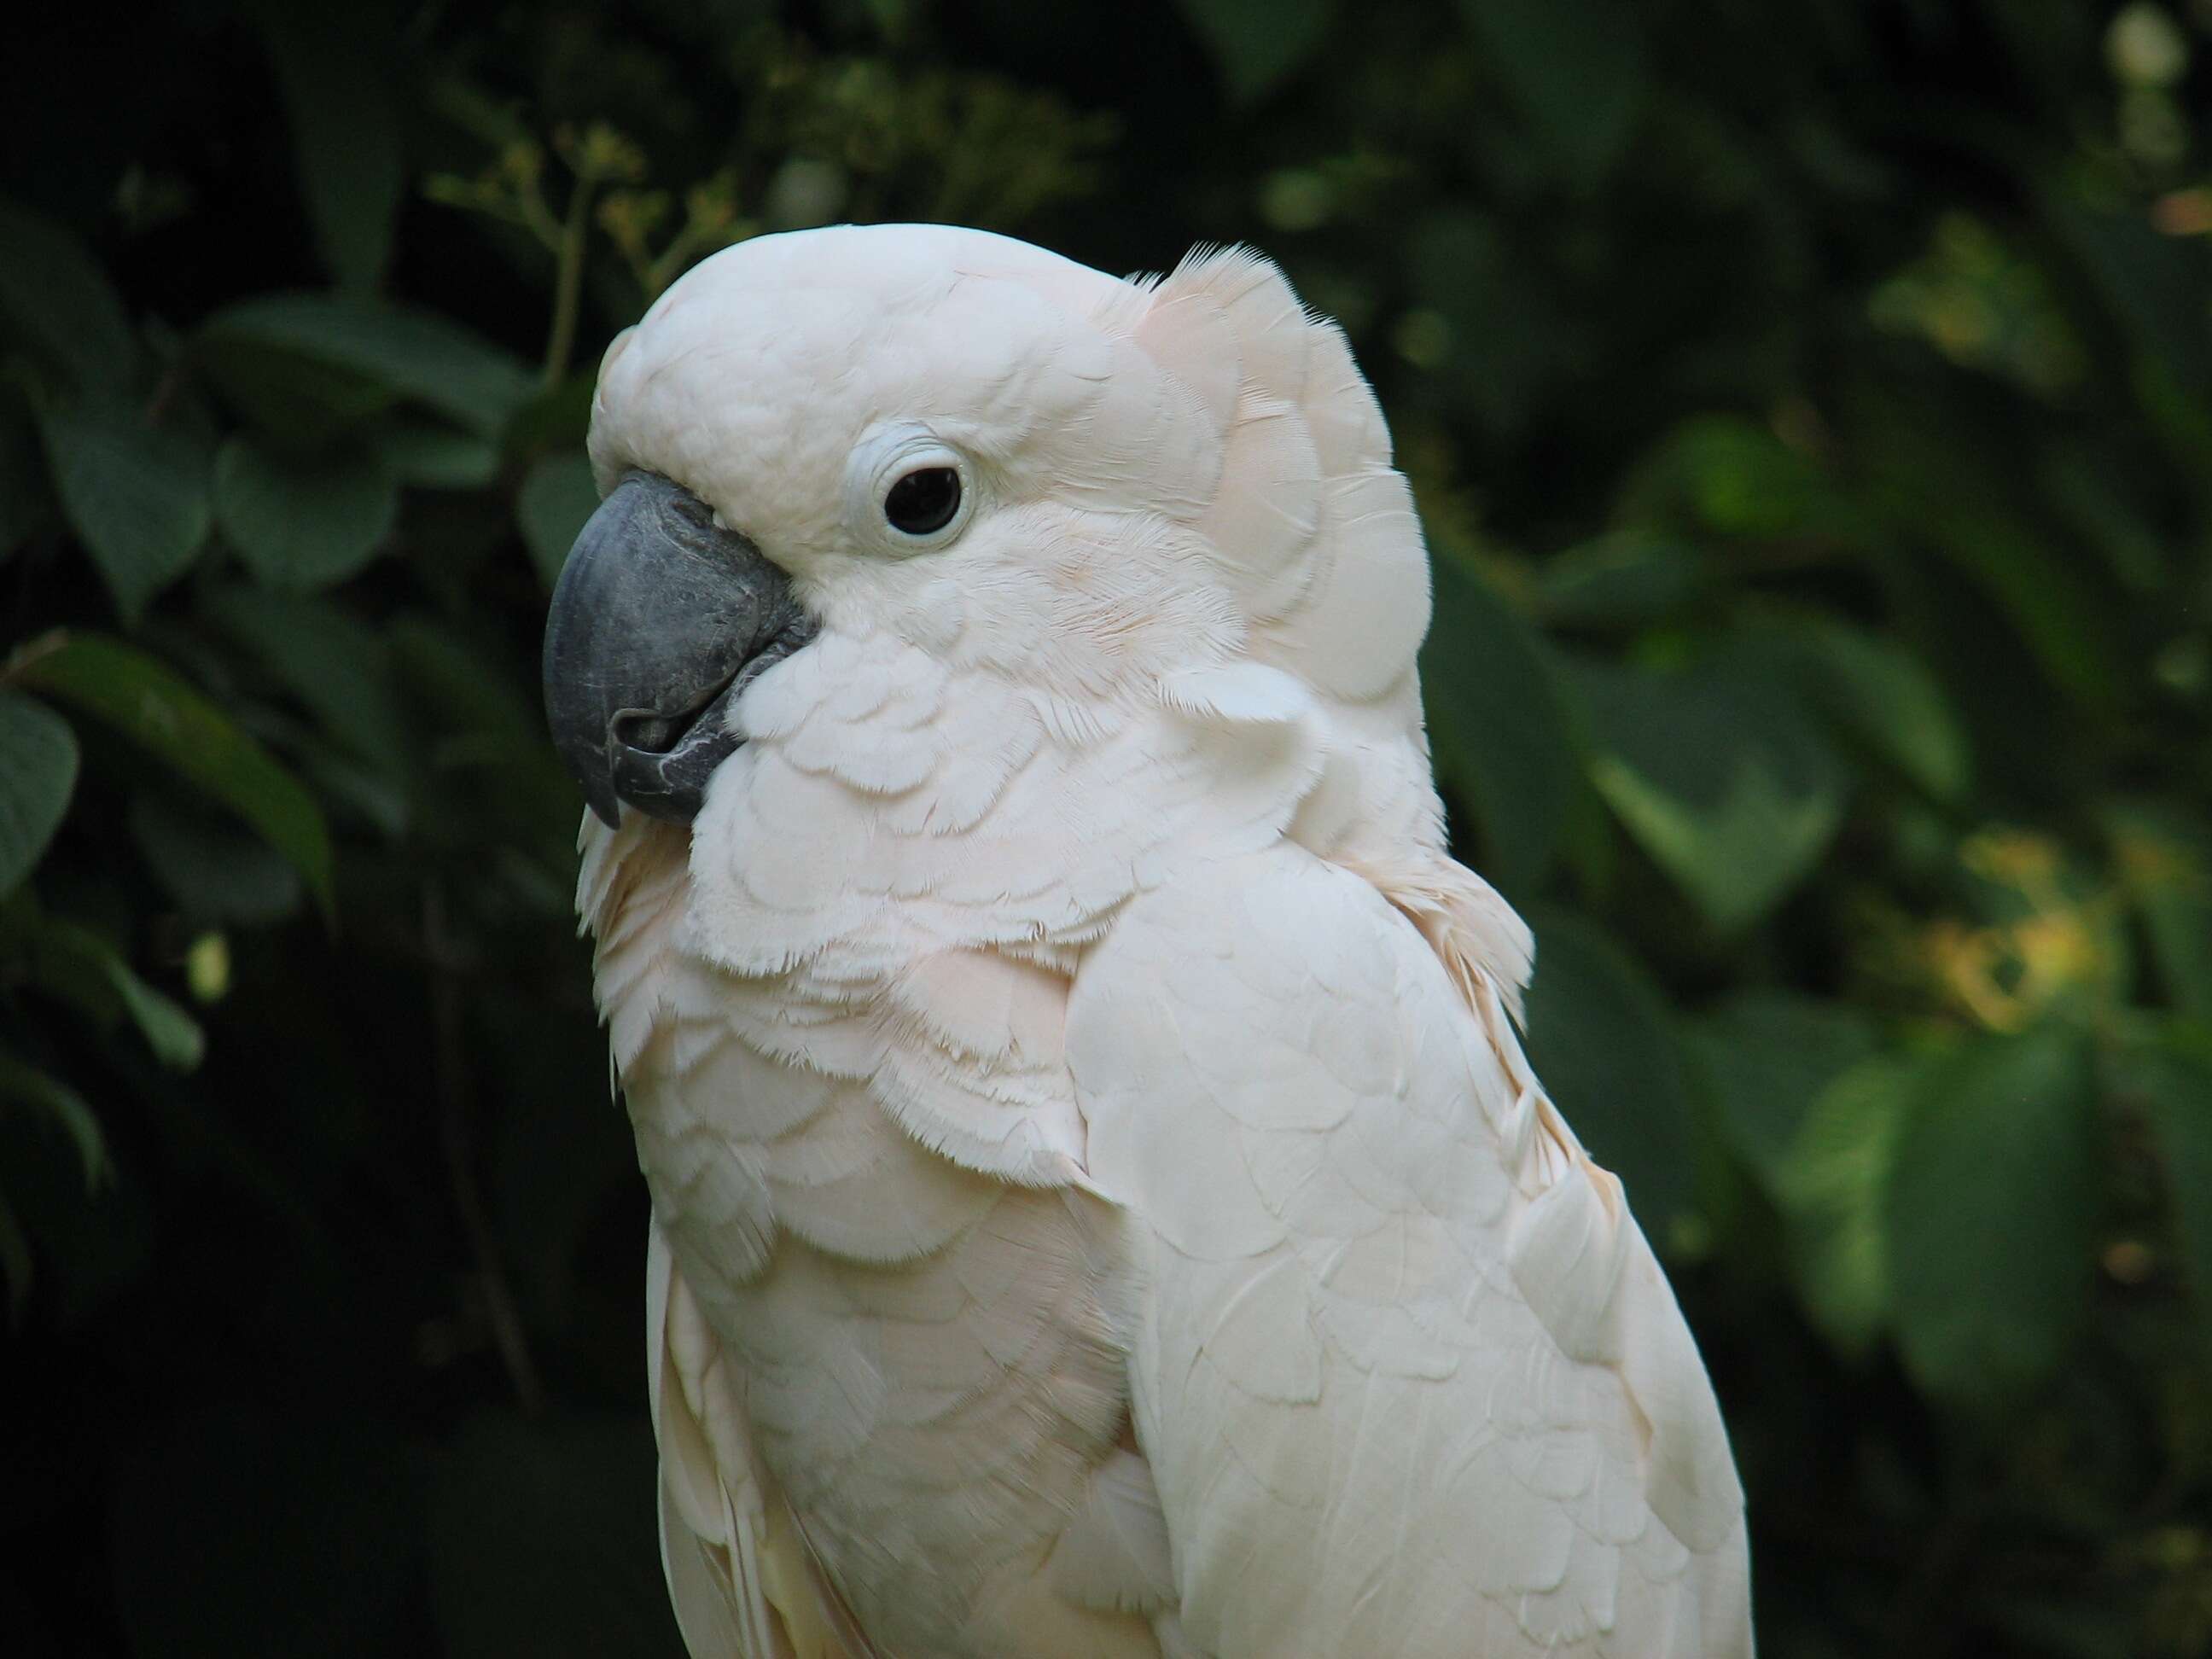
(923,503)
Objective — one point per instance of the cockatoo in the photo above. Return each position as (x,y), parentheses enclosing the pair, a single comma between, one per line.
(1101,1207)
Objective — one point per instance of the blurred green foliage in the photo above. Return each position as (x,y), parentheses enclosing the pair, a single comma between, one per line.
(1811,408)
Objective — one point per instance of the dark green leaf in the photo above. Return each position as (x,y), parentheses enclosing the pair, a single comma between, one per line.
(55,295)
(2173,1079)
(555,499)
(68,961)
(290,400)
(1719,775)
(1621,581)
(345,133)
(372,352)
(79,964)
(557,417)
(385,803)
(136,493)
(38,774)
(1598,1037)
(2165,861)
(1506,341)
(26,499)
(33,1090)
(1932,481)
(1880,694)
(92,1244)
(433,456)
(1766,1056)
(1832,1184)
(174,1035)
(2106,516)
(2044,593)
(1574,67)
(1989,1216)
(335,664)
(542,1543)
(302,524)
(142,698)
(214,869)
(1734,477)
(1259,43)
(1500,733)
(487,759)
(2156,283)
(469,694)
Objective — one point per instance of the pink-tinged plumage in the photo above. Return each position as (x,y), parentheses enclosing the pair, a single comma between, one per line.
(1101,1205)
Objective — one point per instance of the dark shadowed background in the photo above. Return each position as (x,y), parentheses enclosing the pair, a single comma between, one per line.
(1811,409)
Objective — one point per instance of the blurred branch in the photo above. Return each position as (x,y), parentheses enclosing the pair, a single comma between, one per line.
(450,1054)
(600,154)
(512,190)
(1916,1611)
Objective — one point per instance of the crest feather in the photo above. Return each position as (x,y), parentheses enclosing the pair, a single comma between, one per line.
(1315,532)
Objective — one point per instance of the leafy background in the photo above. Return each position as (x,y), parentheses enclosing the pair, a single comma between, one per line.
(1811,408)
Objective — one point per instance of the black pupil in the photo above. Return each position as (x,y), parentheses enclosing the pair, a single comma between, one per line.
(923,501)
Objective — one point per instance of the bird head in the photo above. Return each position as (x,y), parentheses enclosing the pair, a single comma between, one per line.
(1005,459)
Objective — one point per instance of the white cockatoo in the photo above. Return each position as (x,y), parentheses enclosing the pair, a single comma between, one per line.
(1101,1207)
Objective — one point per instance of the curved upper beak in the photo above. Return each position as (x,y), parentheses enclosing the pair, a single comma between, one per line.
(661,619)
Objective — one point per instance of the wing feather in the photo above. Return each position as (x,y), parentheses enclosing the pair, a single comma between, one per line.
(1115,1555)
(1409,1378)
(742,1579)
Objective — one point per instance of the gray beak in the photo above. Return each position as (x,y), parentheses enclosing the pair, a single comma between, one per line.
(659,621)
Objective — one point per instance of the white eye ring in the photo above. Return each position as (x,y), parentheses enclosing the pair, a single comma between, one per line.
(885,458)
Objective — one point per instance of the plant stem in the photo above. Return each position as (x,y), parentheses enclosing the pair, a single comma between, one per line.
(501,1311)
(569,280)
